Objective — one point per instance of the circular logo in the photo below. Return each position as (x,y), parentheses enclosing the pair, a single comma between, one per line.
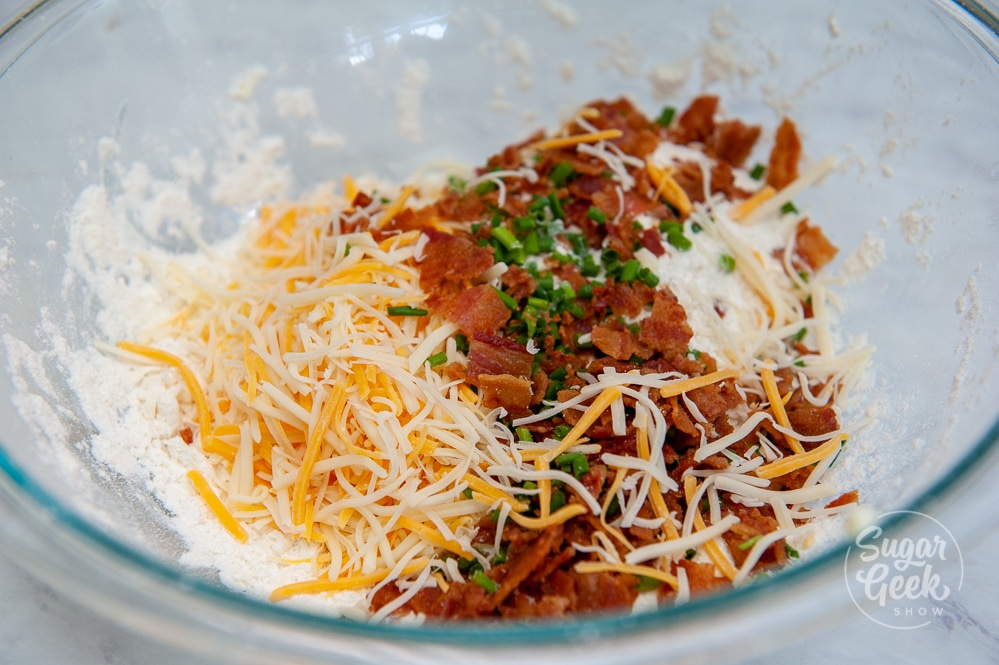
(904,582)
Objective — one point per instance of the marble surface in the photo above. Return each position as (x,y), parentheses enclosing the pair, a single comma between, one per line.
(38,627)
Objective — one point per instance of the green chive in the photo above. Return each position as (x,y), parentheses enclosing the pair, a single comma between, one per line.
(690,554)
(799,363)
(727,262)
(538,204)
(467,492)
(524,223)
(695,227)
(630,270)
(678,240)
(406,310)
(596,215)
(505,237)
(538,303)
(589,267)
(485,582)
(507,300)
(558,500)
(800,335)
(561,174)
(523,434)
(648,277)
(469,566)
(461,343)
(694,354)
(648,583)
(585,291)
(749,543)
(791,552)
(500,556)
(665,118)
(559,374)
(456,183)
(561,431)
(788,209)
(529,485)
(757,171)
(437,359)
(669,226)
(495,515)
(485,187)
(576,310)
(575,463)
(556,206)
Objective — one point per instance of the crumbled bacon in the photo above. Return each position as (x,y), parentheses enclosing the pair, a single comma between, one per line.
(732,141)
(475,310)
(783,166)
(666,330)
(489,354)
(451,258)
(504,390)
(812,246)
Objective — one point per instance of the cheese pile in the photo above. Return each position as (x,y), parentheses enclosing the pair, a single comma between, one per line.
(314,390)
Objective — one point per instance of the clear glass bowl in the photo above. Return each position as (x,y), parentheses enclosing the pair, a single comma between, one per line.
(904,93)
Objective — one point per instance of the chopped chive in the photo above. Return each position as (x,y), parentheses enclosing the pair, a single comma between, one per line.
(678,240)
(574,463)
(461,343)
(665,118)
(495,515)
(799,363)
(757,171)
(585,291)
(500,556)
(648,277)
(648,583)
(690,554)
(559,374)
(485,582)
(456,183)
(406,310)
(596,215)
(695,227)
(788,209)
(505,237)
(531,244)
(749,543)
(437,359)
(556,206)
(538,204)
(727,262)
(561,431)
(529,485)
(791,552)
(524,223)
(469,566)
(668,226)
(576,310)
(346,250)
(561,174)
(590,268)
(467,492)
(694,354)
(630,270)
(507,300)
(485,187)
(579,244)
(800,335)
(558,500)
(523,434)
(538,303)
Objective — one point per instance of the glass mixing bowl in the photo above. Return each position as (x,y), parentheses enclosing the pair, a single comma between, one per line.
(904,93)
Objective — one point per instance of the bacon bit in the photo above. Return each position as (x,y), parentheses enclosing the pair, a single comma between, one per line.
(666,330)
(784,158)
(187,435)
(451,258)
(475,310)
(517,283)
(503,390)
(651,240)
(812,246)
(617,342)
(732,141)
(697,123)
(853,496)
(488,354)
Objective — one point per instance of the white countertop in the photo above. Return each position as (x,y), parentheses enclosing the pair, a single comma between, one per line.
(37,627)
